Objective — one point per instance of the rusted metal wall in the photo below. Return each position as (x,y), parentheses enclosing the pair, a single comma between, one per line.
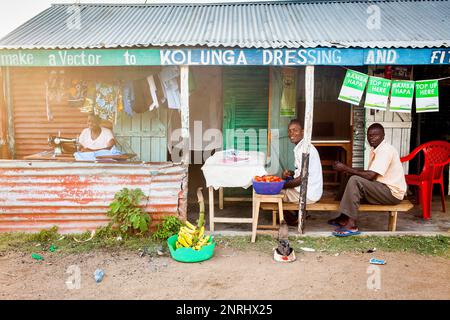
(74,195)
(31,125)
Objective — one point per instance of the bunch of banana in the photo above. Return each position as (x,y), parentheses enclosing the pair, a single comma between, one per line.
(191,236)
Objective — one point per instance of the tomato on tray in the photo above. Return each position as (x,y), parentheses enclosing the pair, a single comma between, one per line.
(267,178)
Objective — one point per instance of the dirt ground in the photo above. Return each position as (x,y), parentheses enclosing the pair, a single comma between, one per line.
(230,274)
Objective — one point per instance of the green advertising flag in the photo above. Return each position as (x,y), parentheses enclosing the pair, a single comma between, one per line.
(377,93)
(353,87)
(402,94)
(427,96)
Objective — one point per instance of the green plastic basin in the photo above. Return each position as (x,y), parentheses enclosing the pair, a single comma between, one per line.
(189,254)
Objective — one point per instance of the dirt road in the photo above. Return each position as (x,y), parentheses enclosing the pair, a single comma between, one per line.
(231,274)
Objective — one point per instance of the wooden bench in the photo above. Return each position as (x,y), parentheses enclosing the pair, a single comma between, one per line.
(331,205)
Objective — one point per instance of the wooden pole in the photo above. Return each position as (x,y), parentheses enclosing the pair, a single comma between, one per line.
(9,114)
(184,110)
(3,126)
(184,92)
(309,109)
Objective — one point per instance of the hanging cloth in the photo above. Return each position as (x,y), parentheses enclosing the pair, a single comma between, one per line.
(142,96)
(47,103)
(76,93)
(128,97)
(89,100)
(106,101)
(169,81)
(152,87)
(56,86)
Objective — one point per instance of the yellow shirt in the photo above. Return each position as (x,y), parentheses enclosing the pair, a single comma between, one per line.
(385,161)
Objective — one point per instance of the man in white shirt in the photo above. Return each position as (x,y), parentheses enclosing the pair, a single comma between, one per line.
(95,137)
(95,141)
(315,181)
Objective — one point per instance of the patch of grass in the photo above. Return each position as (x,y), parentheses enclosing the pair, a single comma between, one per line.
(110,240)
(424,245)
(74,243)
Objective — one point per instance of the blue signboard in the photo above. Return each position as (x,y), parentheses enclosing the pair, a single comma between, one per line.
(223,57)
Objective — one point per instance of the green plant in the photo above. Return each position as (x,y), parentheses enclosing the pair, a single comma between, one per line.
(126,214)
(45,235)
(169,226)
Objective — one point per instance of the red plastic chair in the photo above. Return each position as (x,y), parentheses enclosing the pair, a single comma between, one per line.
(437,155)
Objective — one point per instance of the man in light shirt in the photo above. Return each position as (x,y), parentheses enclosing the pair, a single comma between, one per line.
(95,141)
(382,183)
(315,181)
(95,137)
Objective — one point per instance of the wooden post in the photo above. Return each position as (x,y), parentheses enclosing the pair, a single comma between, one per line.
(9,113)
(3,130)
(309,108)
(184,96)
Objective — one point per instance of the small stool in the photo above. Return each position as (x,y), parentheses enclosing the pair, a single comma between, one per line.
(261,198)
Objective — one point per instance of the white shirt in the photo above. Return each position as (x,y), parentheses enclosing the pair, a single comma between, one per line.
(315,179)
(100,143)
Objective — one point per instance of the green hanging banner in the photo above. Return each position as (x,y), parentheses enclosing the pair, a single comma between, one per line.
(427,96)
(353,87)
(377,93)
(402,94)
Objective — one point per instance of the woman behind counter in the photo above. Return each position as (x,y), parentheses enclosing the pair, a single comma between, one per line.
(95,141)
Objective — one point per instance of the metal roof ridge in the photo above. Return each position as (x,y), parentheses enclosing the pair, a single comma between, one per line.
(212,3)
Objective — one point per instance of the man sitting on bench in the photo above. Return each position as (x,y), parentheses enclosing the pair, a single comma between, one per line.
(292,186)
(383,182)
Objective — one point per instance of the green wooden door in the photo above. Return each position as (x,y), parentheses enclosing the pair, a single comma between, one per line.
(245,94)
(143,134)
(281,148)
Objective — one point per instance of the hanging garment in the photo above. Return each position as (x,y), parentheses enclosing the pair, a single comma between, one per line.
(47,103)
(76,93)
(152,87)
(106,101)
(128,97)
(169,81)
(142,96)
(89,100)
(56,86)
(119,99)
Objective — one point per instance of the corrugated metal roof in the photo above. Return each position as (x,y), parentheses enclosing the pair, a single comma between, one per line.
(75,196)
(246,25)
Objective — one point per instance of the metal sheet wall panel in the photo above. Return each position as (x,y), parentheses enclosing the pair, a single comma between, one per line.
(75,196)
(31,125)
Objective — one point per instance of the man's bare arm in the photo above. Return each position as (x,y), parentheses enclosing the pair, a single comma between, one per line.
(293,183)
(366,174)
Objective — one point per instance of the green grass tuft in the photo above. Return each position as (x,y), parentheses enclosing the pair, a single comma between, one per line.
(107,239)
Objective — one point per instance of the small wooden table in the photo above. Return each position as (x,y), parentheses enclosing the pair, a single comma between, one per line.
(213,219)
(263,198)
(221,173)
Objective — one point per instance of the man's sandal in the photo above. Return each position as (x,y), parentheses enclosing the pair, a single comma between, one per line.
(345,232)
